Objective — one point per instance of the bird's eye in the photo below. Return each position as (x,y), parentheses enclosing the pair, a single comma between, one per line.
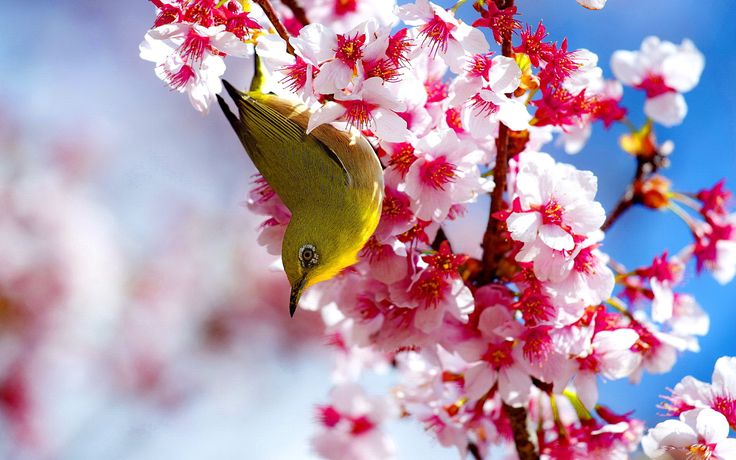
(308,255)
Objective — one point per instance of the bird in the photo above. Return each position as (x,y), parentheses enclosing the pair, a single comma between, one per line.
(330,179)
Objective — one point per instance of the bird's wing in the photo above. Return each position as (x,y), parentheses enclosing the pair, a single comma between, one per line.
(296,165)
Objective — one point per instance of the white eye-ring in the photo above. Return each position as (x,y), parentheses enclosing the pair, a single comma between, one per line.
(308,256)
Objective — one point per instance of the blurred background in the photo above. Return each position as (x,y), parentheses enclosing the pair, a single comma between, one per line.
(151,325)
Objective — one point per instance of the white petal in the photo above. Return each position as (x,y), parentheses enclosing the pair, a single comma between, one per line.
(664,300)
(514,385)
(514,114)
(668,109)
(524,225)
(315,43)
(556,238)
(389,126)
(724,375)
(478,380)
(682,70)
(626,68)
(504,75)
(711,425)
(592,4)
(228,43)
(329,112)
(472,40)
(586,385)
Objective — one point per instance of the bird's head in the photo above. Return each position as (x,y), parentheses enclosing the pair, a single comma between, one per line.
(314,250)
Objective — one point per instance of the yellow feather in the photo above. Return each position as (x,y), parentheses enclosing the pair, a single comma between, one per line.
(331,181)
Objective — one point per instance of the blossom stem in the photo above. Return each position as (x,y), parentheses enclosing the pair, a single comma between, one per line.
(582,412)
(298,11)
(457,5)
(277,24)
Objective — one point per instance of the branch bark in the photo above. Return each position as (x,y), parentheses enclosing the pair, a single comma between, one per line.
(491,239)
(277,24)
(524,447)
(644,166)
(298,11)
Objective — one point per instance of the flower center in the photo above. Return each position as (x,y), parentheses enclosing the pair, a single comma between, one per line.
(700,452)
(437,173)
(180,78)
(343,7)
(654,85)
(482,107)
(358,113)
(349,49)
(499,355)
(436,32)
(552,213)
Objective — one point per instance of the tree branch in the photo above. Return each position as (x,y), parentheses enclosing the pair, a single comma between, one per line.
(524,447)
(277,24)
(491,248)
(644,166)
(298,11)
(474,451)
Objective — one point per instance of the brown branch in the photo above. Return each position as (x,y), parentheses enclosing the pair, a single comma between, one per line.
(644,166)
(277,24)
(298,11)
(492,249)
(440,238)
(474,451)
(524,447)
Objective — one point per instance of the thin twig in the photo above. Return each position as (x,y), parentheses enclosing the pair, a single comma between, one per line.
(298,11)
(277,24)
(644,166)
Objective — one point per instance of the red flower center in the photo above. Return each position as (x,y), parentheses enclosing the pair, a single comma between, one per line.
(437,32)
(654,85)
(437,173)
(343,7)
(349,49)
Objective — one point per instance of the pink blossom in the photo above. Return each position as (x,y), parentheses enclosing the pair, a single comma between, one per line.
(553,209)
(663,71)
(611,357)
(481,91)
(370,107)
(185,58)
(351,426)
(445,173)
(442,34)
(343,15)
(699,433)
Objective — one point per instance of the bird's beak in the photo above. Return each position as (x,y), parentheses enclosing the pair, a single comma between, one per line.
(296,293)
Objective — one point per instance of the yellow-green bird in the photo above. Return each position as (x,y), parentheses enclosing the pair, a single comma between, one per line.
(331,181)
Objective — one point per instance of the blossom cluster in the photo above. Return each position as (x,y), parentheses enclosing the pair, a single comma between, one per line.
(446,110)
(706,413)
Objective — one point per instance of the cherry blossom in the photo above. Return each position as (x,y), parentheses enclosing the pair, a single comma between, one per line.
(351,426)
(699,433)
(553,207)
(663,71)
(370,107)
(188,57)
(444,174)
(442,34)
